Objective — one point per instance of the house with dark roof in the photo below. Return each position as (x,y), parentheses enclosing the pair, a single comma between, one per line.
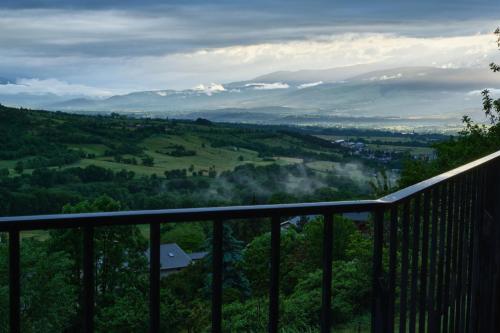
(174,259)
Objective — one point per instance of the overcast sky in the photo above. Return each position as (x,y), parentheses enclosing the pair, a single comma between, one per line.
(117,46)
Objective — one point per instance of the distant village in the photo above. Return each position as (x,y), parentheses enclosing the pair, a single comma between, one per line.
(361,149)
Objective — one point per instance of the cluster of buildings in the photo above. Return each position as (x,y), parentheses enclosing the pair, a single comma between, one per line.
(384,156)
(360,149)
(350,144)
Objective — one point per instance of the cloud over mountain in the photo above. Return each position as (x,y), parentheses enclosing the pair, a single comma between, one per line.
(36,86)
(268,86)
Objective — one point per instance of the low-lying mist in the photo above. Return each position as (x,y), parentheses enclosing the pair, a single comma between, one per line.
(250,184)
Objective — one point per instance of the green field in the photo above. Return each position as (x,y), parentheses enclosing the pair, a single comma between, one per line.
(222,158)
(323,166)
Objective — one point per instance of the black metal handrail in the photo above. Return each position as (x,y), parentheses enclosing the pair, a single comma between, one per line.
(444,216)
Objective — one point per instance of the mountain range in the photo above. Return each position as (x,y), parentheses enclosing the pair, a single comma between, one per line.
(355,95)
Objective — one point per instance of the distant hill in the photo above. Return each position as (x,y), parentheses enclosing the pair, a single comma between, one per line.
(467,78)
(33,100)
(325,75)
(423,95)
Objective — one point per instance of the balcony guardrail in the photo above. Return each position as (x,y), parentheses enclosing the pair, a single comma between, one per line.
(441,238)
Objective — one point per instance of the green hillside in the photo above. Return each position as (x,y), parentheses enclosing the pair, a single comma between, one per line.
(37,139)
(52,159)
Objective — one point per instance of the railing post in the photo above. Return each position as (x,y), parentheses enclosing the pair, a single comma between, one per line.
(414,264)
(275,275)
(88,279)
(431,292)
(14,282)
(424,263)
(404,268)
(393,256)
(476,258)
(154,277)
(326,321)
(457,211)
(459,318)
(379,308)
(438,312)
(452,195)
(217,267)
(470,265)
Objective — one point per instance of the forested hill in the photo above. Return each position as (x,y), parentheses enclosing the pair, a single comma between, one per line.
(50,159)
(45,139)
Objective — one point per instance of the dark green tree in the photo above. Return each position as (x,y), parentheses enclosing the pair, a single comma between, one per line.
(184,303)
(189,236)
(121,264)
(212,173)
(48,296)
(4,172)
(148,161)
(235,283)
(19,167)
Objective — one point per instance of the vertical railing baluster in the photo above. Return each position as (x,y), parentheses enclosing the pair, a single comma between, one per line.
(217,267)
(461,253)
(472,219)
(404,267)
(275,275)
(478,212)
(431,306)
(378,317)
(442,258)
(326,321)
(15,281)
(424,263)
(414,263)
(449,253)
(457,211)
(154,277)
(393,248)
(467,251)
(88,279)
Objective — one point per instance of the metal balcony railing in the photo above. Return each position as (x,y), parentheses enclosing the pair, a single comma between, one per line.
(440,238)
